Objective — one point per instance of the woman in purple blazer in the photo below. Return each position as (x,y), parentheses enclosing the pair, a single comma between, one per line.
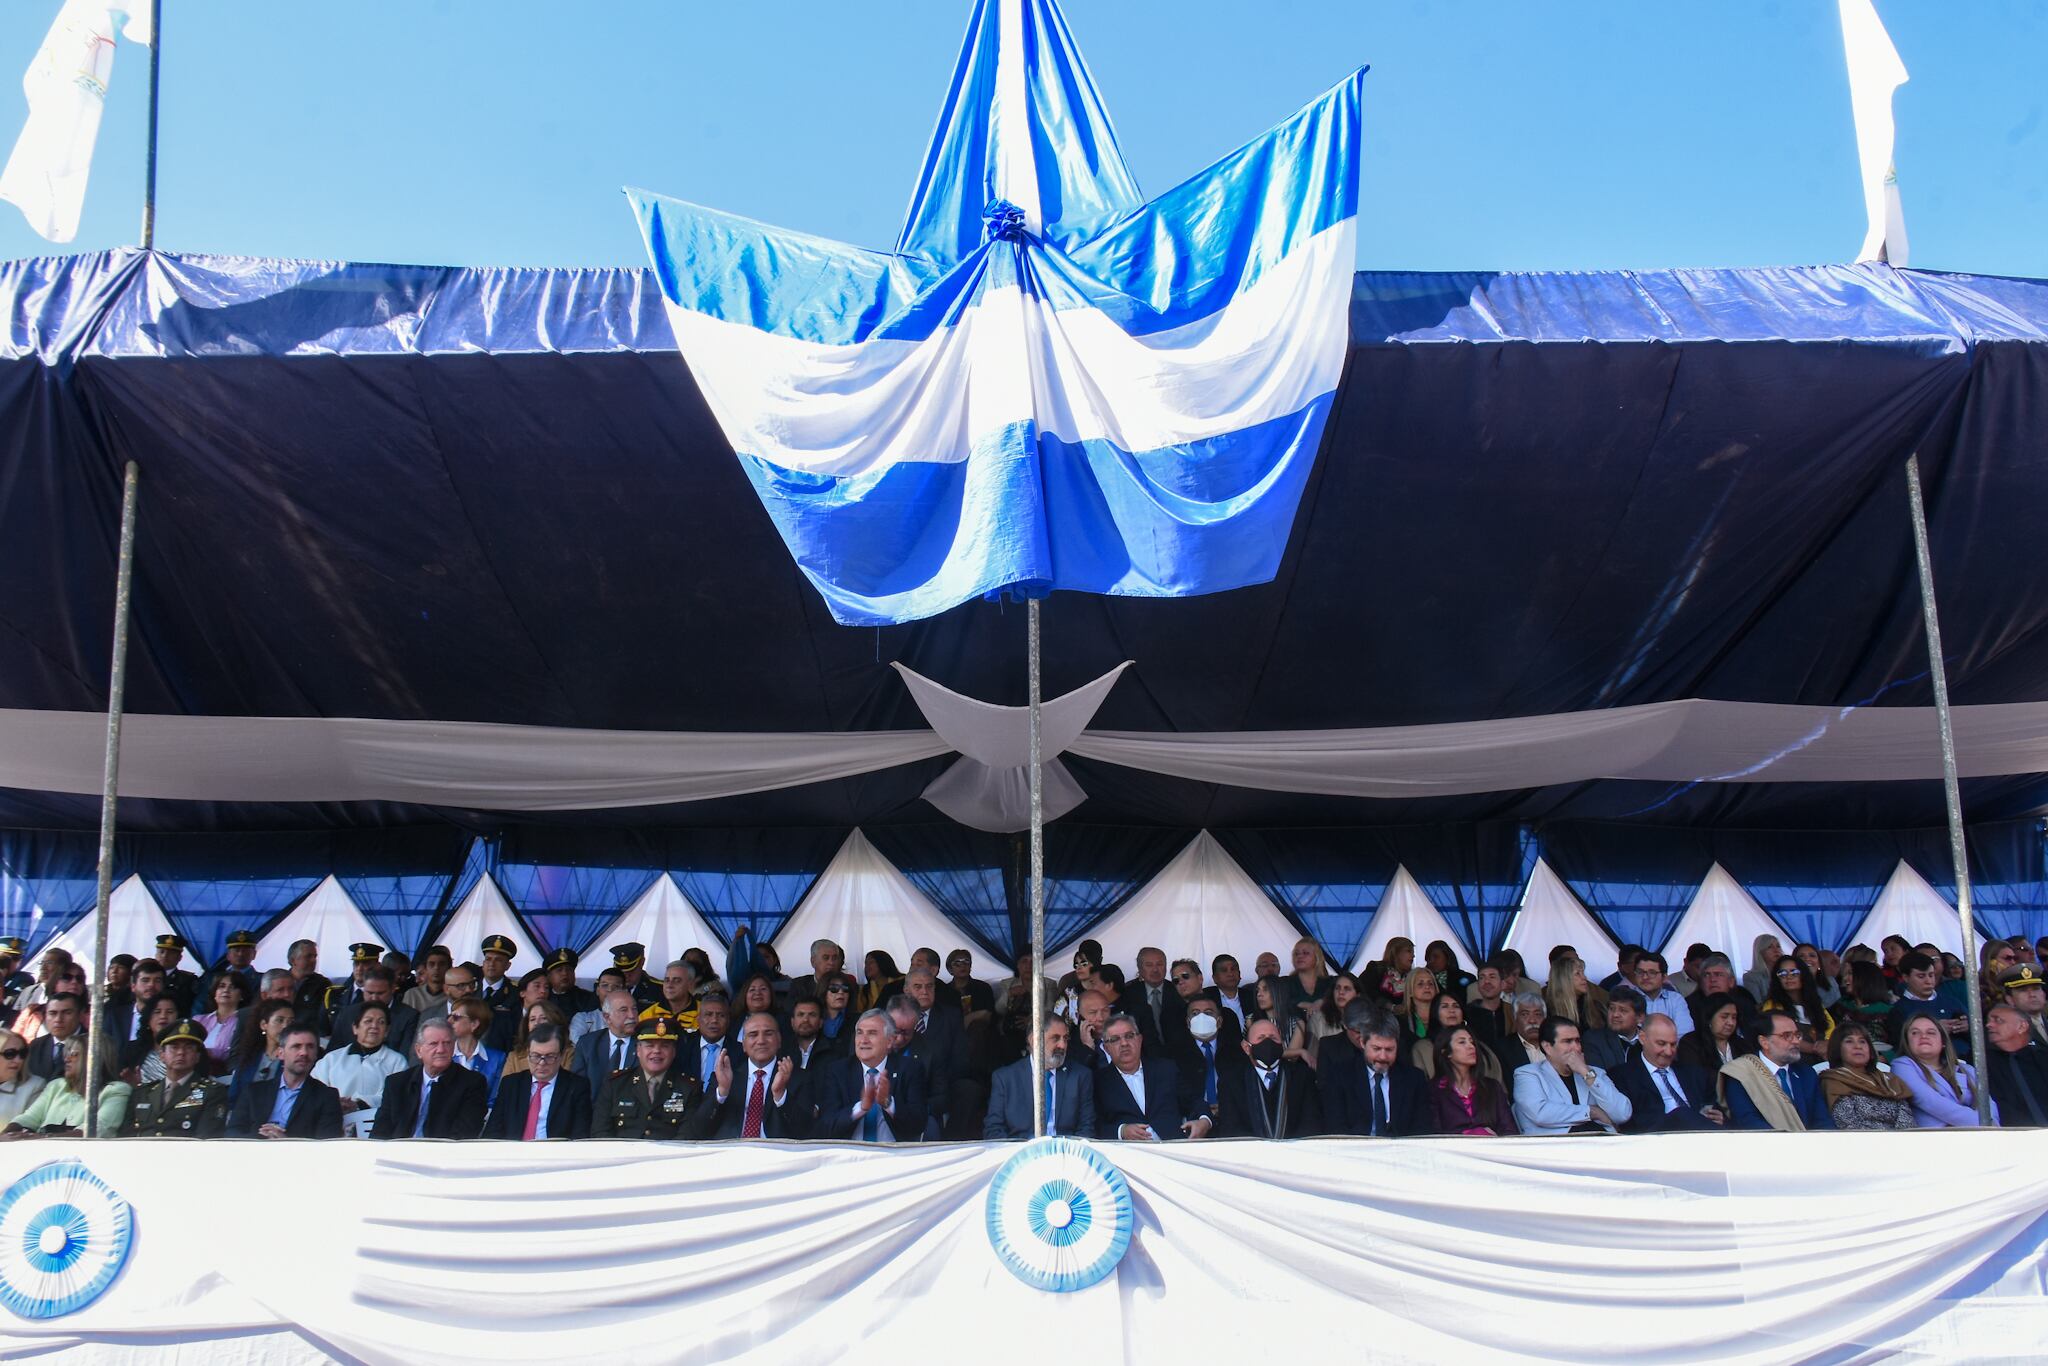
(1462,1099)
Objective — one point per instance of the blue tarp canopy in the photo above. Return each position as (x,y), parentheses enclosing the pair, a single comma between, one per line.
(407,492)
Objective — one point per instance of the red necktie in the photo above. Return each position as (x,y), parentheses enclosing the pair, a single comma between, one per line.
(533,1113)
(757,1106)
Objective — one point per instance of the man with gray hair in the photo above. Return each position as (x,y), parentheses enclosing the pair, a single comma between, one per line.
(875,1096)
(602,1052)
(436,1099)
(827,959)
(1365,1088)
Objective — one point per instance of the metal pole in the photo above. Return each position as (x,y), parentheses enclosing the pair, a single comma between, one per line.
(110,782)
(1950,788)
(1037,894)
(156,44)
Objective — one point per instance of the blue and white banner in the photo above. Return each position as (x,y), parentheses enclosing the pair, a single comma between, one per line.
(1050,383)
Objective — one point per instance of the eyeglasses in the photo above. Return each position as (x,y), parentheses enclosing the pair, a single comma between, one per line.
(1183,977)
(13,1054)
(1788,972)
(837,988)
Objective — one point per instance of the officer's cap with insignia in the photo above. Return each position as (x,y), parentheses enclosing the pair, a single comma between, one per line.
(498,943)
(184,1031)
(169,941)
(628,956)
(661,1028)
(365,953)
(2020,978)
(562,957)
(241,939)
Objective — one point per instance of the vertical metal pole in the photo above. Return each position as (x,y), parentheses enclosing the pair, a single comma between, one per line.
(110,782)
(1037,895)
(1950,788)
(156,44)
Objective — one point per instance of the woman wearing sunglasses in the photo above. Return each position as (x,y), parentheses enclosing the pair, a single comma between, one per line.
(18,1086)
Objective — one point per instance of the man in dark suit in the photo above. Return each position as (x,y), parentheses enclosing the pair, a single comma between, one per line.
(1776,1063)
(1160,1013)
(1227,989)
(378,985)
(435,1099)
(1213,1044)
(1363,1086)
(700,1048)
(1268,1096)
(875,1096)
(1142,1098)
(564,1101)
(930,1032)
(1610,1047)
(291,1104)
(765,1096)
(1664,1095)
(1072,1087)
(1084,1044)
(601,1052)
(805,1043)
(62,1017)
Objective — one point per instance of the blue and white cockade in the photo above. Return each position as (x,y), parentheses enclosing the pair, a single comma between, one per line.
(64,1237)
(1059,1214)
(1050,383)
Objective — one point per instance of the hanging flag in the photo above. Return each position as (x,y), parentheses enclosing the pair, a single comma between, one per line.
(1875,71)
(67,92)
(1050,382)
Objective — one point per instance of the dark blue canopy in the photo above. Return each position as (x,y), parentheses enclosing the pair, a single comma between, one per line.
(496,495)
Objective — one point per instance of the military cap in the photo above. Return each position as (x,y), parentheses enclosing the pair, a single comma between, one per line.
(241,939)
(661,1028)
(2020,978)
(562,957)
(169,941)
(184,1031)
(498,943)
(628,955)
(365,953)
(12,947)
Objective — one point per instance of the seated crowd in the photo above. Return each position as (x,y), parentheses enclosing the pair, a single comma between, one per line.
(1872,1039)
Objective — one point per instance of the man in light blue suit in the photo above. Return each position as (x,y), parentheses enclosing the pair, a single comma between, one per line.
(1564,1094)
(1071,1113)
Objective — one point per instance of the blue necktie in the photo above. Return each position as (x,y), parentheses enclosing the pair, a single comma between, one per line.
(1208,1074)
(1379,1103)
(419,1128)
(1785,1084)
(1049,1111)
(871,1123)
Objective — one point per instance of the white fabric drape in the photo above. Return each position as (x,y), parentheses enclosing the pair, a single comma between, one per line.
(1761,1248)
(1406,910)
(484,912)
(330,919)
(134,920)
(1552,915)
(1908,906)
(1725,917)
(535,768)
(861,902)
(1201,904)
(664,921)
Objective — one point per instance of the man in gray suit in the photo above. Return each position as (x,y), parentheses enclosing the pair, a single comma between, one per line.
(1071,1111)
(600,1052)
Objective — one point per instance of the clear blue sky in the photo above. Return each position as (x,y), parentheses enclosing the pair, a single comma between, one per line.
(1508,134)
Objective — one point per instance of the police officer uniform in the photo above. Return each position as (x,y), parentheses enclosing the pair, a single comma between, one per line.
(248,977)
(181,986)
(196,1109)
(12,981)
(503,999)
(675,1106)
(631,958)
(339,996)
(2022,978)
(578,999)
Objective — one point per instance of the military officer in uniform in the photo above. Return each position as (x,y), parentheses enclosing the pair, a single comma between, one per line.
(341,999)
(181,986)
(653,1099)
(631,961)
(13,981)
(238,964)
(497,991)
(573,1000)
(186,1103)
(309,985)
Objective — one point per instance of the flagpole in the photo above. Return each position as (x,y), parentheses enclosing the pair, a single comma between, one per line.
(156,43)
(1038,1115)
(110,782)
(1951,789)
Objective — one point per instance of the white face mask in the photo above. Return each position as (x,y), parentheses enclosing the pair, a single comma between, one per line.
(1203,1027)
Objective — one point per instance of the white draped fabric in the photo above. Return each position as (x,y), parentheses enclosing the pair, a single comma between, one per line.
(1908,906)
(1664,1249)
(1406,910)
(134,920)
(1201,904)
(662,919)
(535,768)
(329,918)
(484,912)
(861,902)
(1723,916)
(1552,915)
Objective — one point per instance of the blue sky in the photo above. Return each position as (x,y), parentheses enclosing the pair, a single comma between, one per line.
(1501,134)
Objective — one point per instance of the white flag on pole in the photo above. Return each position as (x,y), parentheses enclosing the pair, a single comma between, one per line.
(67,92)
(1875,71)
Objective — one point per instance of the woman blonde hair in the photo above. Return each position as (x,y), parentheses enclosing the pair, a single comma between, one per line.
(1947,1065)
(1567,983)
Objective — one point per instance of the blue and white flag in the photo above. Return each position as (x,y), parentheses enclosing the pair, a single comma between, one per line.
(1050,382)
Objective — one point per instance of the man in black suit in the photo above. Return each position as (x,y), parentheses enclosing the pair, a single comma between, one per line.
(378,985)
(435,1099)
(1213,1044)
(1490,1011)
(765,1096)
(1365,1088)
(1137,1097)
(1269,1096)
(1663,1095)
(699,1051)
(601,1052)
(1227,988)
(805,1044)
(1522,1047)
(1151,1001)
(931,1033)
(291,1104)
(563,1109)
(1085,1045)
(1611,1047)
(875,1096)
(62,1017)
(1072,1087)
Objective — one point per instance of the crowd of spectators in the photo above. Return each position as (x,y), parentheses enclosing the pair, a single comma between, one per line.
(1175,1050)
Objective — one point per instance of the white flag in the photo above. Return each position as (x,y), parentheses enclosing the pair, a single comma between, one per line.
(1875,71)
(67,92)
